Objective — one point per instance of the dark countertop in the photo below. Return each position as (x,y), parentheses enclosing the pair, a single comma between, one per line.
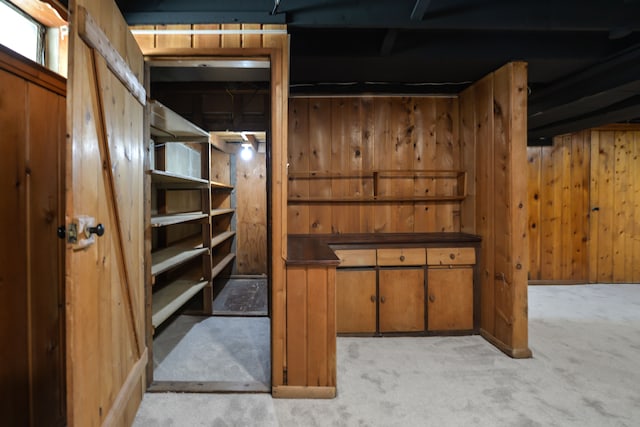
(317,249)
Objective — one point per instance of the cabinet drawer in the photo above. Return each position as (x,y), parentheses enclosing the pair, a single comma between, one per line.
(356,257)
(408,256)
(451,256)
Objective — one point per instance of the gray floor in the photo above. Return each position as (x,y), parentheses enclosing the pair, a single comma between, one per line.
(585,372)
(230,349)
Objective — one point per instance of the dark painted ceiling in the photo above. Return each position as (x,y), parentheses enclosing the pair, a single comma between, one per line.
(583,55)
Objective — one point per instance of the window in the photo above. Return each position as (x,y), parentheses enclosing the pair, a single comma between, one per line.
(21,33)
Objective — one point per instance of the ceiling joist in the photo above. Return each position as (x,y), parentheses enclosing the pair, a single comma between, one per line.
(420,10)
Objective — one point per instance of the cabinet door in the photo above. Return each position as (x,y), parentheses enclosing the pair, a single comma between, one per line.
(356,301)
(450,304)
(401,300)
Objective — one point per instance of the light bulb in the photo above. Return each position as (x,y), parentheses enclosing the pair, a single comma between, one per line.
(246,153)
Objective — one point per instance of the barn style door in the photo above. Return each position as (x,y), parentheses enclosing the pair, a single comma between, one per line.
(106,353)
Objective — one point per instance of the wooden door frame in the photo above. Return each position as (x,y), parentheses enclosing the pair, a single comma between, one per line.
(276,187)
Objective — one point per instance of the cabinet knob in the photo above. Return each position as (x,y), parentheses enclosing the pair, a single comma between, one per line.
(401,257)
(432,298)
(382,299)
(373,298)
(452,256)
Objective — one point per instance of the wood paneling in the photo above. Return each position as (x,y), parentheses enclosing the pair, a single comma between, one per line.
(558,194)
(614,199)
(251,215)
(13,253)
(350,137)
(32,122)
(499,119)
(228,39)
(311,326)
(583,226)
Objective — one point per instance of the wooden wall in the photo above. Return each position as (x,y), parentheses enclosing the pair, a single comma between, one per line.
(32,131)
(251,215)
(311,336)
(493,131)
(584,199)
(354,135)
(558,208)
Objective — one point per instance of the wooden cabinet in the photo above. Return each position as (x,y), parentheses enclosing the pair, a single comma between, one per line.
(401,300)
(386,297)
(388,290)
(190,223)
(450,289)
(450,299)
(356,299)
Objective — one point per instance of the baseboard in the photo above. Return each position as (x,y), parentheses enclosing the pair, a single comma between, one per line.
(302,392)
(557,282)
(207,387)
(516,353)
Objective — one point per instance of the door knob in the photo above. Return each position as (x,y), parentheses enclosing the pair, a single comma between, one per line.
(98,229)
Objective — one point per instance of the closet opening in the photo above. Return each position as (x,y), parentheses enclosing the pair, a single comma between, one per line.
(216,334)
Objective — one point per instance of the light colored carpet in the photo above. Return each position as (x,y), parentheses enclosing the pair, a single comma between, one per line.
(221,349)
(585,372)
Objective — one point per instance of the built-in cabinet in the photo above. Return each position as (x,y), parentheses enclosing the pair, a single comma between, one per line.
(406,290)
(190,216)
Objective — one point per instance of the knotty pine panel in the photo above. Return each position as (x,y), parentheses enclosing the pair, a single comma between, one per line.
(251,215)
(353,136)
(498,113)
(208,40)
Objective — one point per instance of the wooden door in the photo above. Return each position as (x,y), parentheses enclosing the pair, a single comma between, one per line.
(356,301)
(401,300)
(450,296)
(106,353)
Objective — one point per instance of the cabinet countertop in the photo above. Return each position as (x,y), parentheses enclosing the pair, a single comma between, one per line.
(318,249)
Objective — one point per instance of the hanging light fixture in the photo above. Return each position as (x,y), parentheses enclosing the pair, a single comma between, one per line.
(246,152)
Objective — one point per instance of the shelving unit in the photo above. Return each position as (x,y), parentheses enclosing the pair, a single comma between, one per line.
(376,186)
(190,223)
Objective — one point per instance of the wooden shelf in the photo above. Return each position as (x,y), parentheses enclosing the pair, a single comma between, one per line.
(217,269)
(379,199)
(169,180)
(221,238)
(218,212)
(220,186)
(167,126)
(172,256)
(176,218)
(171,297)
(376,178)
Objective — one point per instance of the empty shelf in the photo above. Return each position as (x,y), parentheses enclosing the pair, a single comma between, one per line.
(217,212)
(170,298)
(221,238)
(172,256)
(220,186)
(221,265)
(176,218)
(167,126)
(170,180)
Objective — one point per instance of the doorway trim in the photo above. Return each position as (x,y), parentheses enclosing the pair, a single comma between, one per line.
(276,180)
